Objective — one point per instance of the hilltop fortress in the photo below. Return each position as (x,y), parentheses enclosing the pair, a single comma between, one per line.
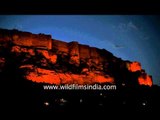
(91,63)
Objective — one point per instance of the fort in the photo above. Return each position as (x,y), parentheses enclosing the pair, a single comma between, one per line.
(42,41)
(83,64)
(31,65)
(26,39)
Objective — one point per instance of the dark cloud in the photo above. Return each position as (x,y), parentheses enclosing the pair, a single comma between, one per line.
(118,46)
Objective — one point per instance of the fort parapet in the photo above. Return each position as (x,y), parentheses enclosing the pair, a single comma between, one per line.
(43,41)
(26,39)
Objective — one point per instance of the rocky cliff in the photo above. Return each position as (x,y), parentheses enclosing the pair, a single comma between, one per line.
(40,58)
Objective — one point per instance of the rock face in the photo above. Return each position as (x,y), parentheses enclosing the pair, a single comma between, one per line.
(43,59)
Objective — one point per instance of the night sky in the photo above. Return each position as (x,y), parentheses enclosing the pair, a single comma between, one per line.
(130,37)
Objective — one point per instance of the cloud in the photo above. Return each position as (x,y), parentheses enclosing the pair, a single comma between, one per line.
(132,26)
(118,46)
(124,27)
(19,27)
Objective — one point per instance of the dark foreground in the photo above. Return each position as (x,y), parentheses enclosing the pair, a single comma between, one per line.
(26,96)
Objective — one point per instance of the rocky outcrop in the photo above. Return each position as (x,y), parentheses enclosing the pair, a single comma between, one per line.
(143,78)
(134,66)
(54,77)
(43,59)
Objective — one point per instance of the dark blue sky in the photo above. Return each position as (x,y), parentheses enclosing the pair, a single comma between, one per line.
(130,37)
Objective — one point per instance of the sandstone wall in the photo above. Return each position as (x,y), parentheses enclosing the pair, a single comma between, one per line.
(74,53)
(84,51)
(60,46)
(26,39)
(94,52)
(31,40)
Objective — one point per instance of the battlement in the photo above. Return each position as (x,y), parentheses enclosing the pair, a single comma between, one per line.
(26,39)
